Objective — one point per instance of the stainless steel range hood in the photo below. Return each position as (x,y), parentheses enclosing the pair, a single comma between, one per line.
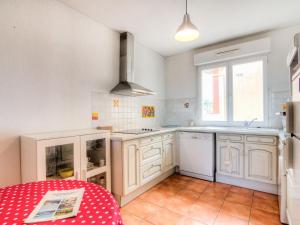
(126,85)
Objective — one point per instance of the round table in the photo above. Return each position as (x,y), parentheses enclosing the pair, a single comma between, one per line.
(97,207)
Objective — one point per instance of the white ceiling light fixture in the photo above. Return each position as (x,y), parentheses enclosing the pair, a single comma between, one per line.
(187,31)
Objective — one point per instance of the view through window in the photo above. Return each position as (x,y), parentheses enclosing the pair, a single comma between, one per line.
(233,92)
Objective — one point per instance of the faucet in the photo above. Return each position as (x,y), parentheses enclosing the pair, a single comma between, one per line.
(248,124)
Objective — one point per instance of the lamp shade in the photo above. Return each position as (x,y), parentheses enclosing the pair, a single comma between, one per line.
(187,31)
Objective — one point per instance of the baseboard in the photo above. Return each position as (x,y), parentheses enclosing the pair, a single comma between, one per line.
(255,185)
(196,175)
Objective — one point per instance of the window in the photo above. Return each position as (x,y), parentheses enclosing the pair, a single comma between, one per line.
(234,92)
(247,91)
(214,94)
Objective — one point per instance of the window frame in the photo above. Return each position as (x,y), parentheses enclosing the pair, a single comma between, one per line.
(229,92)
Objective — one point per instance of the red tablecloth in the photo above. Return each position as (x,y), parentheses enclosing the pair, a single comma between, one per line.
(97,207)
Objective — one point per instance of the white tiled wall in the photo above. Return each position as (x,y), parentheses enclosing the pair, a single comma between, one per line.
(167,112)
(277,98)
(177,112)
(128,114)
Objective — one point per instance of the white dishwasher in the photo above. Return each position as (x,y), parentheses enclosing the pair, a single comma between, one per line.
(197,155)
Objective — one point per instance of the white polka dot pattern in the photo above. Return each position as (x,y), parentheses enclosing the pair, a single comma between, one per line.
(97,207)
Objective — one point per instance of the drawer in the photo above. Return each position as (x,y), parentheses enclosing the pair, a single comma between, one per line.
(168,136)
(270,140)
(150,140)
(230,137)
(150,152)
(150,171)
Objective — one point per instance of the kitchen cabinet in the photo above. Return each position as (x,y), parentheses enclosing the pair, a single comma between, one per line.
(261,163)
(131,166)
(247,160)
(140,163)
(168,154)
(80,155)
(150,171)
(230,158)
(151,152)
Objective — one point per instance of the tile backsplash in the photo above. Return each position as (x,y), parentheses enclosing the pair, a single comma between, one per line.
(124,112)
(178,114)
(180,111)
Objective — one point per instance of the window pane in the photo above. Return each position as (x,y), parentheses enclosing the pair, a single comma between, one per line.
(248,91)
(213,96)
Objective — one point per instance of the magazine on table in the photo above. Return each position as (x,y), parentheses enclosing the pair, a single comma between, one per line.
(57,205)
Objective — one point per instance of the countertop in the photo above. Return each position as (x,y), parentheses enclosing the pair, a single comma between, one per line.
(229,130)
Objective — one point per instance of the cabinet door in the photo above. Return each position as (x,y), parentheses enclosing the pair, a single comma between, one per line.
(236,159)
(95,159)
(230,158)
(131,166)
(169,154)
(223,158)
(261,163)
(58,159)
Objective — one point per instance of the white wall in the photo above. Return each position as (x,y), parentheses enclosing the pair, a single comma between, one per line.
(51,60)
(181,74)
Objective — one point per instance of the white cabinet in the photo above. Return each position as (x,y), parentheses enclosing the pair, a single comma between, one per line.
(131,164)
(250,158)
(139,164)
(261,163)
(52,156)
(230,158)
(168,154)
(80,154)
(95,159)
(150,171)
(151,152)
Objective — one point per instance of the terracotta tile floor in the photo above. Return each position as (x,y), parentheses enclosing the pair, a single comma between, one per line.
(181,200)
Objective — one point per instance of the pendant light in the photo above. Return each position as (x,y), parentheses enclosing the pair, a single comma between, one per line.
(187,31)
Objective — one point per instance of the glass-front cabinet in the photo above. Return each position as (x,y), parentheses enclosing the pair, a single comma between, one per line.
(80,155)
(59,158)
(95,157)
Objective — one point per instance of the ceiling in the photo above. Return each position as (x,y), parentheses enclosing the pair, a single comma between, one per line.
(154,22)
